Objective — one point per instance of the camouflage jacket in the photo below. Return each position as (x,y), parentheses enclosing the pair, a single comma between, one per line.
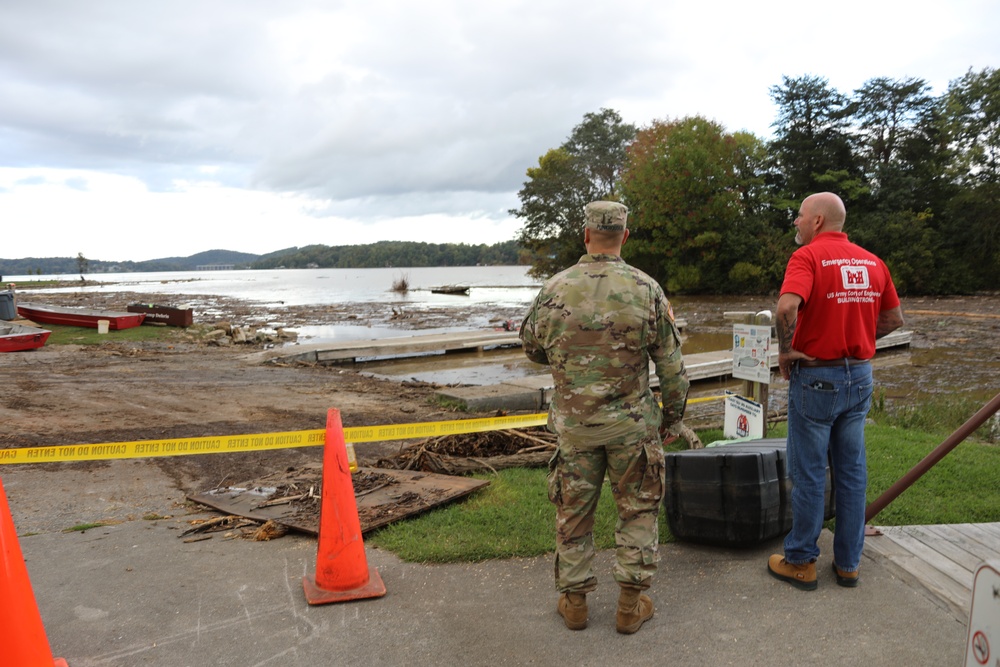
(598,324)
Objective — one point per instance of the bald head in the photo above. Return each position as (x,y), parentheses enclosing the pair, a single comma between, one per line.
(821,212)
(830,207)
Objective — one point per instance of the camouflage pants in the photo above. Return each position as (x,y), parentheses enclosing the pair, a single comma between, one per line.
(636,473)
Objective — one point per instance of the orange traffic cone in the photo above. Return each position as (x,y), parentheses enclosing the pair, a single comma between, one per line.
(342,571)
(24,642)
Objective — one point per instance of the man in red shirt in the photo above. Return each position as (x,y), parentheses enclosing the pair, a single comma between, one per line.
(836,299)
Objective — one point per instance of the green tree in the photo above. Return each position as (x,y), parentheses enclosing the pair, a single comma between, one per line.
(897,139)
(585,168)
(812,142)
(971,116)
(689,224)
(82,263)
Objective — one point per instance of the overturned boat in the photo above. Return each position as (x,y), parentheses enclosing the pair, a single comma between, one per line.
(78,317)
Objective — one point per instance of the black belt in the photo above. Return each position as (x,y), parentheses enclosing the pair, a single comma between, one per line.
(819,363)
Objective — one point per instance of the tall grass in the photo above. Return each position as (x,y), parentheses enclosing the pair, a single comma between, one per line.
(401,284)
(935,414)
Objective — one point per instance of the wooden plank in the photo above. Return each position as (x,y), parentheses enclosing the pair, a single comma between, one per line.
(411,493)
(991,528)
(955,545)
(913,538)
(977,532)
(891,550)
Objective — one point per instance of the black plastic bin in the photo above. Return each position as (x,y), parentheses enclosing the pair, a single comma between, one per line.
(732,495)
(7,309)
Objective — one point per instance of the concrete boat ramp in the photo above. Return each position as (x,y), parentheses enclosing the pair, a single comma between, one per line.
(527,393)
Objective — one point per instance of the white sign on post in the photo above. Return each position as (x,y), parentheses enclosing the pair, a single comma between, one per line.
(744,418)
(751,352)
(983,645)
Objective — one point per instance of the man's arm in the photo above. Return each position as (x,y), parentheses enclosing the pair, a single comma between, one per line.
(888,321)
(669,365)
(787,316)
(529,342)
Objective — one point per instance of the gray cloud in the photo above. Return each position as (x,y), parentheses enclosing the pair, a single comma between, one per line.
(385,108)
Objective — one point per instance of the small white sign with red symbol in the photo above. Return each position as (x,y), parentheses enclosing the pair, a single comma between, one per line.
(744,418)
(984,617)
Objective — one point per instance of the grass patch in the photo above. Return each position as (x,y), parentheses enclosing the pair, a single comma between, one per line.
(448,404)
(961,488)
(82,527)
(67,335)
(512,517)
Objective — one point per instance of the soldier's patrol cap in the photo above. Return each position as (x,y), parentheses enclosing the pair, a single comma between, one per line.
(605,216)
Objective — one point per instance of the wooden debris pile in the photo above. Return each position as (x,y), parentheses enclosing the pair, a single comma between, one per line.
(466,453)
(299,489)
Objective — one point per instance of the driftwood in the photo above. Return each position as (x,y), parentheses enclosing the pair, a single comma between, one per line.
(490,451)
(475,452)
(219,523)
(684,431)
(444,464)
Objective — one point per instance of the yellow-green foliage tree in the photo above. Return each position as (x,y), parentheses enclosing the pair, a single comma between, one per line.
(692,222)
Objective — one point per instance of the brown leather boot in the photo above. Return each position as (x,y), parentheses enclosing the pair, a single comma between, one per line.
(634,609)
(801,576)
(573,608)
(846,579)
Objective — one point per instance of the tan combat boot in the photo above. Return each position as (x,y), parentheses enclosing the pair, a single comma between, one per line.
(634,609)
(801,576)
(573,608)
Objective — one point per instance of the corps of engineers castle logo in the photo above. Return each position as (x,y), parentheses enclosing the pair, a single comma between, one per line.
(854,277)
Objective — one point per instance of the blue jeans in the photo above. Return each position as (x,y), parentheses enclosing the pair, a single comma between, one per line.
(827,407)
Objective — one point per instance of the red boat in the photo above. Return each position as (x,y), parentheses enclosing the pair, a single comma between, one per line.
(78,317)
(16,337)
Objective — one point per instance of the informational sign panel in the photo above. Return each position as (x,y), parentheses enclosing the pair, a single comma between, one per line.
(983,647)
(751,352)
(744,418)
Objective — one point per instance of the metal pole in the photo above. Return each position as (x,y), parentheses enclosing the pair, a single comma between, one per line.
(762,389)
(952,441)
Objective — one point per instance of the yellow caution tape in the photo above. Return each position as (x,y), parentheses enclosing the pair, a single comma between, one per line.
(286,440)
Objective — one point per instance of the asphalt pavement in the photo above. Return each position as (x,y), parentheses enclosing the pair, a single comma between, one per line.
(135,593)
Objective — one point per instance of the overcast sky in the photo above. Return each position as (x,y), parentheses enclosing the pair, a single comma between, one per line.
(133,130)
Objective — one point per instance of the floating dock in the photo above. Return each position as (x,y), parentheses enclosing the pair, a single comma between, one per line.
(527,393)
(534,392)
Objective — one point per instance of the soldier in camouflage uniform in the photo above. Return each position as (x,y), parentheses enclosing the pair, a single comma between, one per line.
(598,325)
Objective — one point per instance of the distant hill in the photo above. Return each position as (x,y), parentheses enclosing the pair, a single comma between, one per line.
(53,265)
(383,253)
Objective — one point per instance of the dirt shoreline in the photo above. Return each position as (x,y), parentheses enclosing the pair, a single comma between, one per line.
(121,392)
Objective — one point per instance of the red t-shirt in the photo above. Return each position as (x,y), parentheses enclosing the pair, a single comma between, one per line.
(843,288)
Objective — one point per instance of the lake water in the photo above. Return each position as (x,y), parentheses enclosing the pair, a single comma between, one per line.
(970,366)
(500,285)
(506,290)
